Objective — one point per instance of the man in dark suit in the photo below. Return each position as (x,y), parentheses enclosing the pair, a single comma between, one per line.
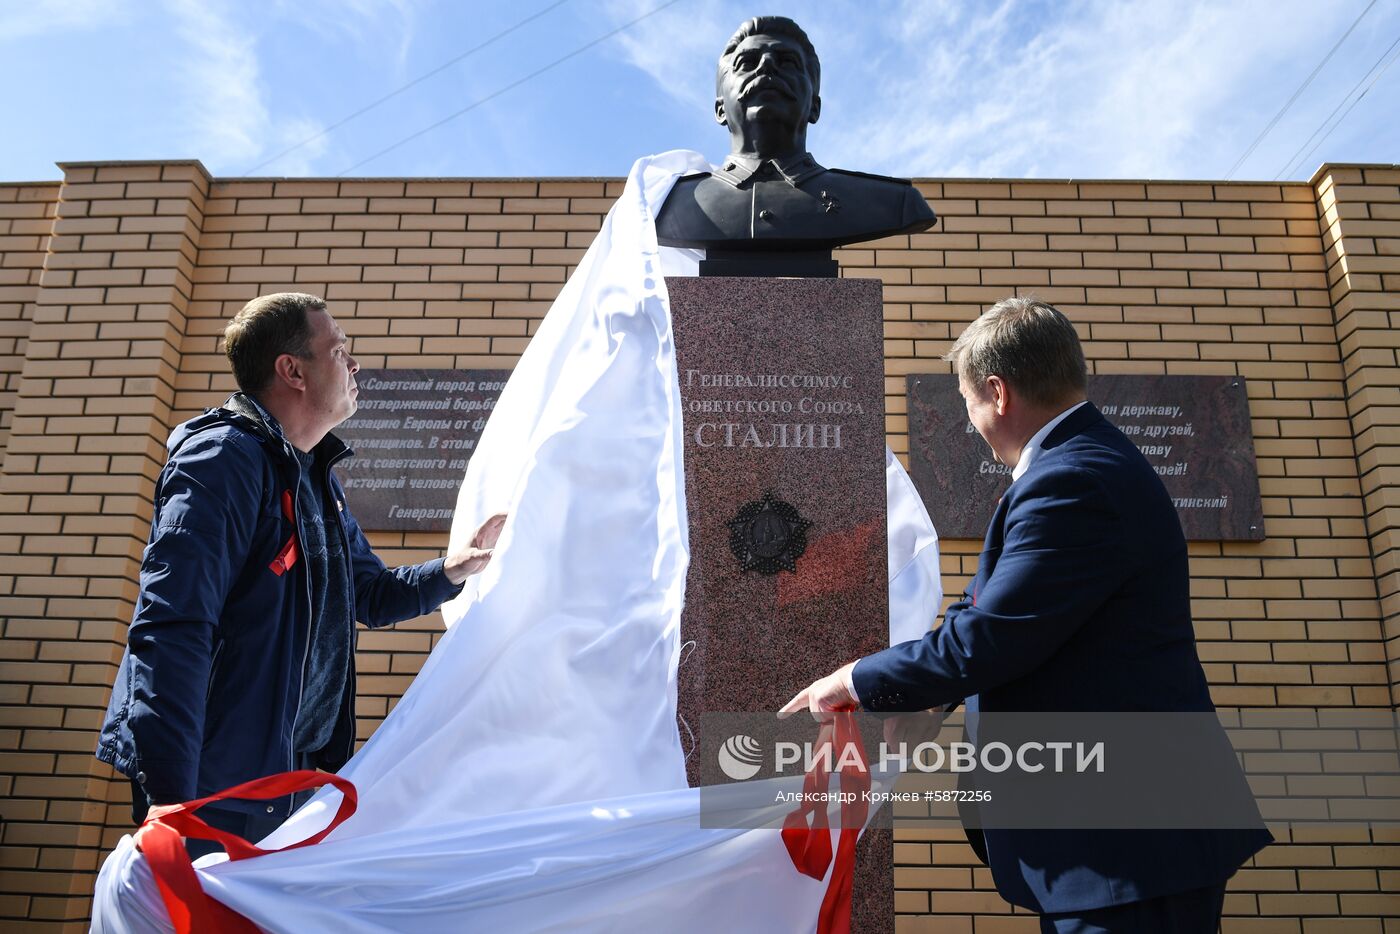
(1081,603)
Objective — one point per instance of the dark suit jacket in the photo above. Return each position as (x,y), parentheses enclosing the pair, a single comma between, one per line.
(1081,603)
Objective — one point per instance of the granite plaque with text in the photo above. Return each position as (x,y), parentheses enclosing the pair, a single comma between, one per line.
(413,433)
(782,393)
(1194,430)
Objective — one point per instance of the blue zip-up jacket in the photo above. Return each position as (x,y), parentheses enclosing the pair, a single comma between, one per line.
(209,687)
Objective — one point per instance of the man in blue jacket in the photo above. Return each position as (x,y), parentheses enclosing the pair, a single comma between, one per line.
(240,658)
(1081,603)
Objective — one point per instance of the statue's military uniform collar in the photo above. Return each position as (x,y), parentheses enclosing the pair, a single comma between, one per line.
(794,169)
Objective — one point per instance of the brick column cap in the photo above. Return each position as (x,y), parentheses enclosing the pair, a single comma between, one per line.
(105,163)
(1327,167)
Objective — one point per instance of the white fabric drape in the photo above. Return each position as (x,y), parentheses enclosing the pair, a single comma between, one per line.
(531,779)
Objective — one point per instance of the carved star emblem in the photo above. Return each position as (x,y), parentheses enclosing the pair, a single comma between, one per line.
(768,536)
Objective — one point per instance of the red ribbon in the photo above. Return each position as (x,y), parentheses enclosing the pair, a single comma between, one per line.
(191,910)
(810,845)
(288,555)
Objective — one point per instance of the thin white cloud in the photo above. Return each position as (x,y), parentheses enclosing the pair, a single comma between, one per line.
(676,48)
(26,20)
(305,159)
(1104,89)
(369,24)
(227,120)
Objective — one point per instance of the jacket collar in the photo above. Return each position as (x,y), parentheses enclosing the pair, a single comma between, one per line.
(1034,446)
(250,414)
(250,410)
(1076,422)
(794,168)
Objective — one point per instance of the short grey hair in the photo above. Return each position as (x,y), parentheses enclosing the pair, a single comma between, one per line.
(1028,343)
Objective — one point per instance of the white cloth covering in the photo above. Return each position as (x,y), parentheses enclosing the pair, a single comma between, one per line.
(532,779)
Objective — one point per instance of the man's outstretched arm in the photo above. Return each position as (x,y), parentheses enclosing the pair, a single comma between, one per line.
(1063,538)
(386,595)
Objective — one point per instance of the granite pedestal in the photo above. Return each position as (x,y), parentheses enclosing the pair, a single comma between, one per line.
(782,388)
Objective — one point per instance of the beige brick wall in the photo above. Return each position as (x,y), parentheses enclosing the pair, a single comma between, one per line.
(26,221)
(1289,285)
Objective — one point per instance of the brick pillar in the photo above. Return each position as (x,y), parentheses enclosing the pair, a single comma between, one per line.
(26,221)
(1359,206)
(86,444)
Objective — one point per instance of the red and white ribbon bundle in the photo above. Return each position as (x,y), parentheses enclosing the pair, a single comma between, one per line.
(191,910)
(809,845)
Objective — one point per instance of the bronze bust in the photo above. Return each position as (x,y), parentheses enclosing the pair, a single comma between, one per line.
(771,209)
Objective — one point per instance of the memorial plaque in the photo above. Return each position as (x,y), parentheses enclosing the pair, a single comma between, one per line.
(1194,430)
(413,434)
(782,389)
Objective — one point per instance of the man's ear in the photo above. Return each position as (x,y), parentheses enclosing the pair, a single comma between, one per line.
(816,108)
(720,118)
(288,369)
(1001,399)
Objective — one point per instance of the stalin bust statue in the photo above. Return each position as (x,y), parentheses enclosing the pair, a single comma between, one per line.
(770,209)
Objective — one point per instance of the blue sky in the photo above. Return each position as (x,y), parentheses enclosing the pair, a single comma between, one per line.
(926,88)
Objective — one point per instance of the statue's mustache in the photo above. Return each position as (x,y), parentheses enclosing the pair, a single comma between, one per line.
(773,83)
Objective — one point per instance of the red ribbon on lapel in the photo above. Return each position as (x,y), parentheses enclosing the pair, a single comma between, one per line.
(191,910)
(809,846)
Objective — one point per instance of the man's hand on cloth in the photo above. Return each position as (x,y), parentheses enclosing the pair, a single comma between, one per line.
(835,692)
(824,696)
(468,560)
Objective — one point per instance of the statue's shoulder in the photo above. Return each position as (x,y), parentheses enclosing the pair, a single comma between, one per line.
(888,179)
(688,187)
(692,179)
(879,202)
(689,218)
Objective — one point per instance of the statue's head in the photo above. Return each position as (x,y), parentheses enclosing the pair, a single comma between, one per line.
(768,72)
